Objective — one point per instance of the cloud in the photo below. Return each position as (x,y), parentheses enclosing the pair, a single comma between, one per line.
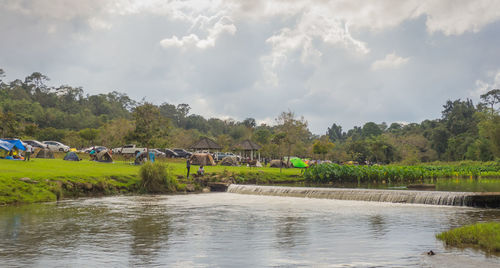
(223,25)
(483,87)
(391,61)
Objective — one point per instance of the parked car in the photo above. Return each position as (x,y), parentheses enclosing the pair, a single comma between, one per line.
(97,149)
(35,144)
(182,153)
(219,156)
(170,153)
(157,153)
(56,146)
(128,149)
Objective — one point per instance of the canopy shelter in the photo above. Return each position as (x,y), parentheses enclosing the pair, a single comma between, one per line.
(71,156)
(248,148)
(205,144)
(8,145)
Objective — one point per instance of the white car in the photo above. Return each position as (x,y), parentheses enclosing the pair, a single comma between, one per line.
(56,146)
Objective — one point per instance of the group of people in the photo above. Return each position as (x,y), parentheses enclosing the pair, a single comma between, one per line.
(200,172)
(15,154)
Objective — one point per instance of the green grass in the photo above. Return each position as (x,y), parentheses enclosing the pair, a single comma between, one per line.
(56,178)
(485,236)
(328,173)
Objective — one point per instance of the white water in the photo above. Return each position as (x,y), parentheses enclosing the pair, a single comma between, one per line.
(393,196)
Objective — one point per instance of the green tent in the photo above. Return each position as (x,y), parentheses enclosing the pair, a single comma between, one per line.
(298,163)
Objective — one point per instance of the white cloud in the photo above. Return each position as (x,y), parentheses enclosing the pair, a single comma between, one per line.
(220,27)
(483,87)
(391,61)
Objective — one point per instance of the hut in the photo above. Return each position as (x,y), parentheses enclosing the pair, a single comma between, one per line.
(205,144)
(248,147)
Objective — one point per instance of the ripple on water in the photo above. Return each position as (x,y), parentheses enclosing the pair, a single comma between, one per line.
(227,230)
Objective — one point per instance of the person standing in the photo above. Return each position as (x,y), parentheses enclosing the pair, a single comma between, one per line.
(188,166)
(27,153)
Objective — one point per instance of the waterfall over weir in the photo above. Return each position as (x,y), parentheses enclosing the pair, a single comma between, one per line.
(393,196)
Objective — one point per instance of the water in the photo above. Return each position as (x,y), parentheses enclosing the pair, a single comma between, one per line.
(233,230)
(393,196)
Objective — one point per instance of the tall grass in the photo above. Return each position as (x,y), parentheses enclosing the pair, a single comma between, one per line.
(156,178)
(486,236)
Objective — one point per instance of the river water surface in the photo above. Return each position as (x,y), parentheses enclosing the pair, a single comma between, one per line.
(232,230)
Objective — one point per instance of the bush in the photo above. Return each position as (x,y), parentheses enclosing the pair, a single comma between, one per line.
(156,178)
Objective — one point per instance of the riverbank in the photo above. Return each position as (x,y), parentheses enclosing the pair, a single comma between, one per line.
(485,236)
(43,180)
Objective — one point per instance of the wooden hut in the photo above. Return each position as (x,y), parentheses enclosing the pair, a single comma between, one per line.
(205,144)
(248,147)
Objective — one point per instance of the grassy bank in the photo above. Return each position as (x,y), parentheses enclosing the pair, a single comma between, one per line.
(485,236)
(52,179)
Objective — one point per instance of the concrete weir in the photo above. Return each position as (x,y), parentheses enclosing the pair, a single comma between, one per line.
(488,200)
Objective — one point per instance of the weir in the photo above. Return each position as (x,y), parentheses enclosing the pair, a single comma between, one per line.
(489,200)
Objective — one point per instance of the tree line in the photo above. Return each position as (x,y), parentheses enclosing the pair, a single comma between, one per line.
(30,109)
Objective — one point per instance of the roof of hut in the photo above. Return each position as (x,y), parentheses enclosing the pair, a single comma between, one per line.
(205,143)
(247,145)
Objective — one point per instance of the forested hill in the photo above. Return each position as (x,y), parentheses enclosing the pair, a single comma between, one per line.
(31,109)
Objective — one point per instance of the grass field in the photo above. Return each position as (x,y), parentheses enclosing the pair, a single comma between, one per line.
(51,179)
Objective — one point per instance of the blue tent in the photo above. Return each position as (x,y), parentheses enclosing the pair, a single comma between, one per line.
(7,145)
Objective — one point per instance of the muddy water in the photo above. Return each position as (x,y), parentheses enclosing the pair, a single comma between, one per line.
(232,230)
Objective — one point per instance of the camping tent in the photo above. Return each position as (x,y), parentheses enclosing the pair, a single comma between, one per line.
(202,159)
(277,163)
(104,156)
(71,156)
(298,163)
(229,161)
(44,153)
(8,145)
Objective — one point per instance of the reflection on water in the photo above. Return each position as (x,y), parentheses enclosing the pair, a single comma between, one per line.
(231,230)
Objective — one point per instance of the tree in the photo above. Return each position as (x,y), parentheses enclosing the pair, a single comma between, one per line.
(458,116)
(292,129)
(371,129)
(249,123)
(335,133)
(491,98)
(89,134)
(151,128)
(322,146)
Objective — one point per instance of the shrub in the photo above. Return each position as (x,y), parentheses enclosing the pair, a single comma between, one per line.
(156,178)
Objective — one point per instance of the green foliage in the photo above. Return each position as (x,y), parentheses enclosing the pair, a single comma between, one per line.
(328,173)
(486,236)
(155,178)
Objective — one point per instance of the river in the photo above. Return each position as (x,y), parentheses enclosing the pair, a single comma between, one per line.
(233,230)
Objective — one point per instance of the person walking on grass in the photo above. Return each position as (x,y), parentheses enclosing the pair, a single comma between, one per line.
(27,153)
(188,167)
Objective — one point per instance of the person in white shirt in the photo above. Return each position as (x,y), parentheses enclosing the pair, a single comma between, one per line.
(27,153)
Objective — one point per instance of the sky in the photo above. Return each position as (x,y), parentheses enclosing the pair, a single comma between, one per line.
(342,61)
